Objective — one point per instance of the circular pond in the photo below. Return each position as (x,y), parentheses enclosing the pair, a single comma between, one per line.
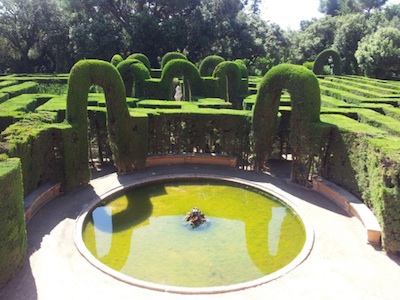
(140,234)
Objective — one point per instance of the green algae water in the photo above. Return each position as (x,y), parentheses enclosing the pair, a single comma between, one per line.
(143,233)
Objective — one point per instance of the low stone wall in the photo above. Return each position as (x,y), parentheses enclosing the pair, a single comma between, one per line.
(39,197)
(352,205)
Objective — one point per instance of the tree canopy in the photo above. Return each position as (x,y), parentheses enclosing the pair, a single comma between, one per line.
(51,35)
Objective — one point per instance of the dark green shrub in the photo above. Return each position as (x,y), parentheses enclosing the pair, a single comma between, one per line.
(13,236)
(303,88)
(323,57)
(208,64)
(133,70)
(171,55)
(142,58)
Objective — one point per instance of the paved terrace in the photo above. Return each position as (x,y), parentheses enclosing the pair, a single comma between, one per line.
(341,265)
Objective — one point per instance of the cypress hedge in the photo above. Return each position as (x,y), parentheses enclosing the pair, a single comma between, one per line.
(125,138)
(303,87)
(208,64)
(321,59)
(13,238)
(171,55)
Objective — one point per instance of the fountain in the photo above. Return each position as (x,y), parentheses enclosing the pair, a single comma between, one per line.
(139,234)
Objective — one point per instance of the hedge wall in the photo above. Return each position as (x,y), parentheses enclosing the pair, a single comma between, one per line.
(13,238)
(366,161)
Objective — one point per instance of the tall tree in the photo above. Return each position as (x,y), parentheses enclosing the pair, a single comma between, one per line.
(378,53)
(351,29)
(30,27)
(368,5)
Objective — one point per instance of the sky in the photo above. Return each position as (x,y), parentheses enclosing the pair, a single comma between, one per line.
(289,13)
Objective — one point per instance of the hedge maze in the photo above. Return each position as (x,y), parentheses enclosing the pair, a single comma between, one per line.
(343,128)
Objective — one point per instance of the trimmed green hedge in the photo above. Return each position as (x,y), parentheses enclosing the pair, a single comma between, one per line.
(142,58)
(229,77)
(170,56)
(305,130)
(28,87)
(125,138)
(366,161)
(322,58)
(133,71)
(13,238)
(208,64)
(116,59)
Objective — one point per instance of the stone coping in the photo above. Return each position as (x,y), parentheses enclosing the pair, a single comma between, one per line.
(39,197)
(352,205)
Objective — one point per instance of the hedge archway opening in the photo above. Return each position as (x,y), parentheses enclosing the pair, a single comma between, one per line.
(181,68)
(125,143)
(229,77)
(303,87)
(331,57)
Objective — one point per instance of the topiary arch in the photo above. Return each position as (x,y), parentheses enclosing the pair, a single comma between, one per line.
(116,59)
(178,67)
(141,57)
(127,149)
(322,58)
(170,56)
(133,70)
(229,81)
(303,88)
(208,64)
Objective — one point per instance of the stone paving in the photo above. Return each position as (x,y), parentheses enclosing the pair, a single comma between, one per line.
(341,264)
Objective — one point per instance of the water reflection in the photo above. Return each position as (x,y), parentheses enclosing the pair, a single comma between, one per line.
(274,229)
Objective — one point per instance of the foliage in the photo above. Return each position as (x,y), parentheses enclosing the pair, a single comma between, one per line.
(34,33)
(13,235)
(352,28)
(142,58)
(171,55)
(133,71)
(303,87)
(323,58)
(208,64)
(378,53)
(124,138)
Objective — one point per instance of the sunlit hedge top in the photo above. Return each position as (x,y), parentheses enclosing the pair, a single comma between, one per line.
(208,64)
(141,57)
(171,55)
(116,59)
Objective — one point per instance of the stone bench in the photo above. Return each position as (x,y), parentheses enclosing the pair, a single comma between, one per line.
(210,159)
(39,197)
(352,205)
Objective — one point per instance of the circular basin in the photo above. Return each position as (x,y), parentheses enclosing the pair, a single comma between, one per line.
(139,234)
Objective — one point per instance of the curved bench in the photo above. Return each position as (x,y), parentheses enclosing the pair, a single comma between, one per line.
(352,205)
(39,197)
